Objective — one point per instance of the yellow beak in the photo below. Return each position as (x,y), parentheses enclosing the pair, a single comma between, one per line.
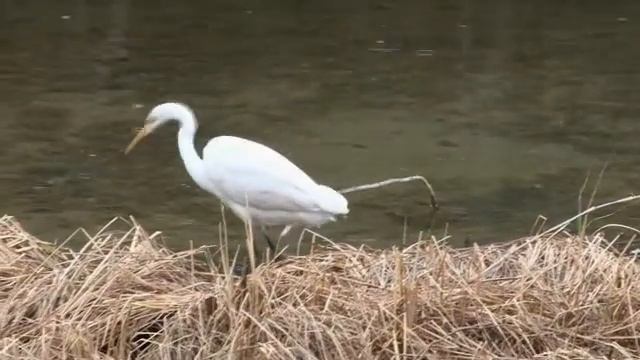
(141,134)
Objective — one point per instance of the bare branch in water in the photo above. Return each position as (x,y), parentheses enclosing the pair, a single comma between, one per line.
(432,194)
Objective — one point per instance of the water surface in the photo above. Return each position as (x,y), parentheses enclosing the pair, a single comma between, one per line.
(504,106)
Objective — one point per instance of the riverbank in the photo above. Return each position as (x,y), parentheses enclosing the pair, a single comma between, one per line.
(124,294)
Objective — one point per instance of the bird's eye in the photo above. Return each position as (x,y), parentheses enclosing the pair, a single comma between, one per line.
(136,130)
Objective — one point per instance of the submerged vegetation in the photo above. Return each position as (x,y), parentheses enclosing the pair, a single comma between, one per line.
(125,295)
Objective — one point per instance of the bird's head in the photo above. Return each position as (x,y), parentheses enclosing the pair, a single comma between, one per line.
(160,115)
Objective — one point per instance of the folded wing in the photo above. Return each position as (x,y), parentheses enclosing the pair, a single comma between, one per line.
(248,172)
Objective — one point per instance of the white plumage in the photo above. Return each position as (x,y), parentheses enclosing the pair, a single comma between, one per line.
(253,178)
(258,183)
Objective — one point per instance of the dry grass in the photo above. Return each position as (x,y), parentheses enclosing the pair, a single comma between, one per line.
(124,295)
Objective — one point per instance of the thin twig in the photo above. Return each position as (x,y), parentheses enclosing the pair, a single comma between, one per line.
(432,194)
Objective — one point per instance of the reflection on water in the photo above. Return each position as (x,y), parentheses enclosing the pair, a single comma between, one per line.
(504,106)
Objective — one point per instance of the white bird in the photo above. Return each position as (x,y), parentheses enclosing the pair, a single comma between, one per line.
(261,186)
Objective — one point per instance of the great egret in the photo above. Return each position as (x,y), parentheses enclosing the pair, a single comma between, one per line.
(261,186)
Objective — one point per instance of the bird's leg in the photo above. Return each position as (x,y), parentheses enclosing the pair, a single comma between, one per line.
(269,242)
(273,246)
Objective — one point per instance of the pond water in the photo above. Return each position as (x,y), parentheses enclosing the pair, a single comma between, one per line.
(504,106)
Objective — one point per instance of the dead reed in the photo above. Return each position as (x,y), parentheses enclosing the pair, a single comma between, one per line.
(124,295)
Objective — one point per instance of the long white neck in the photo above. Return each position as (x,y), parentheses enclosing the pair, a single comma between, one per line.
(186,135)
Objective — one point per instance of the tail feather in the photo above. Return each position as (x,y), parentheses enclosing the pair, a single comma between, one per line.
(332,201)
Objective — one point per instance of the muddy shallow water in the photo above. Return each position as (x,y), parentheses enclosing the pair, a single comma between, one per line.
(504,106)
